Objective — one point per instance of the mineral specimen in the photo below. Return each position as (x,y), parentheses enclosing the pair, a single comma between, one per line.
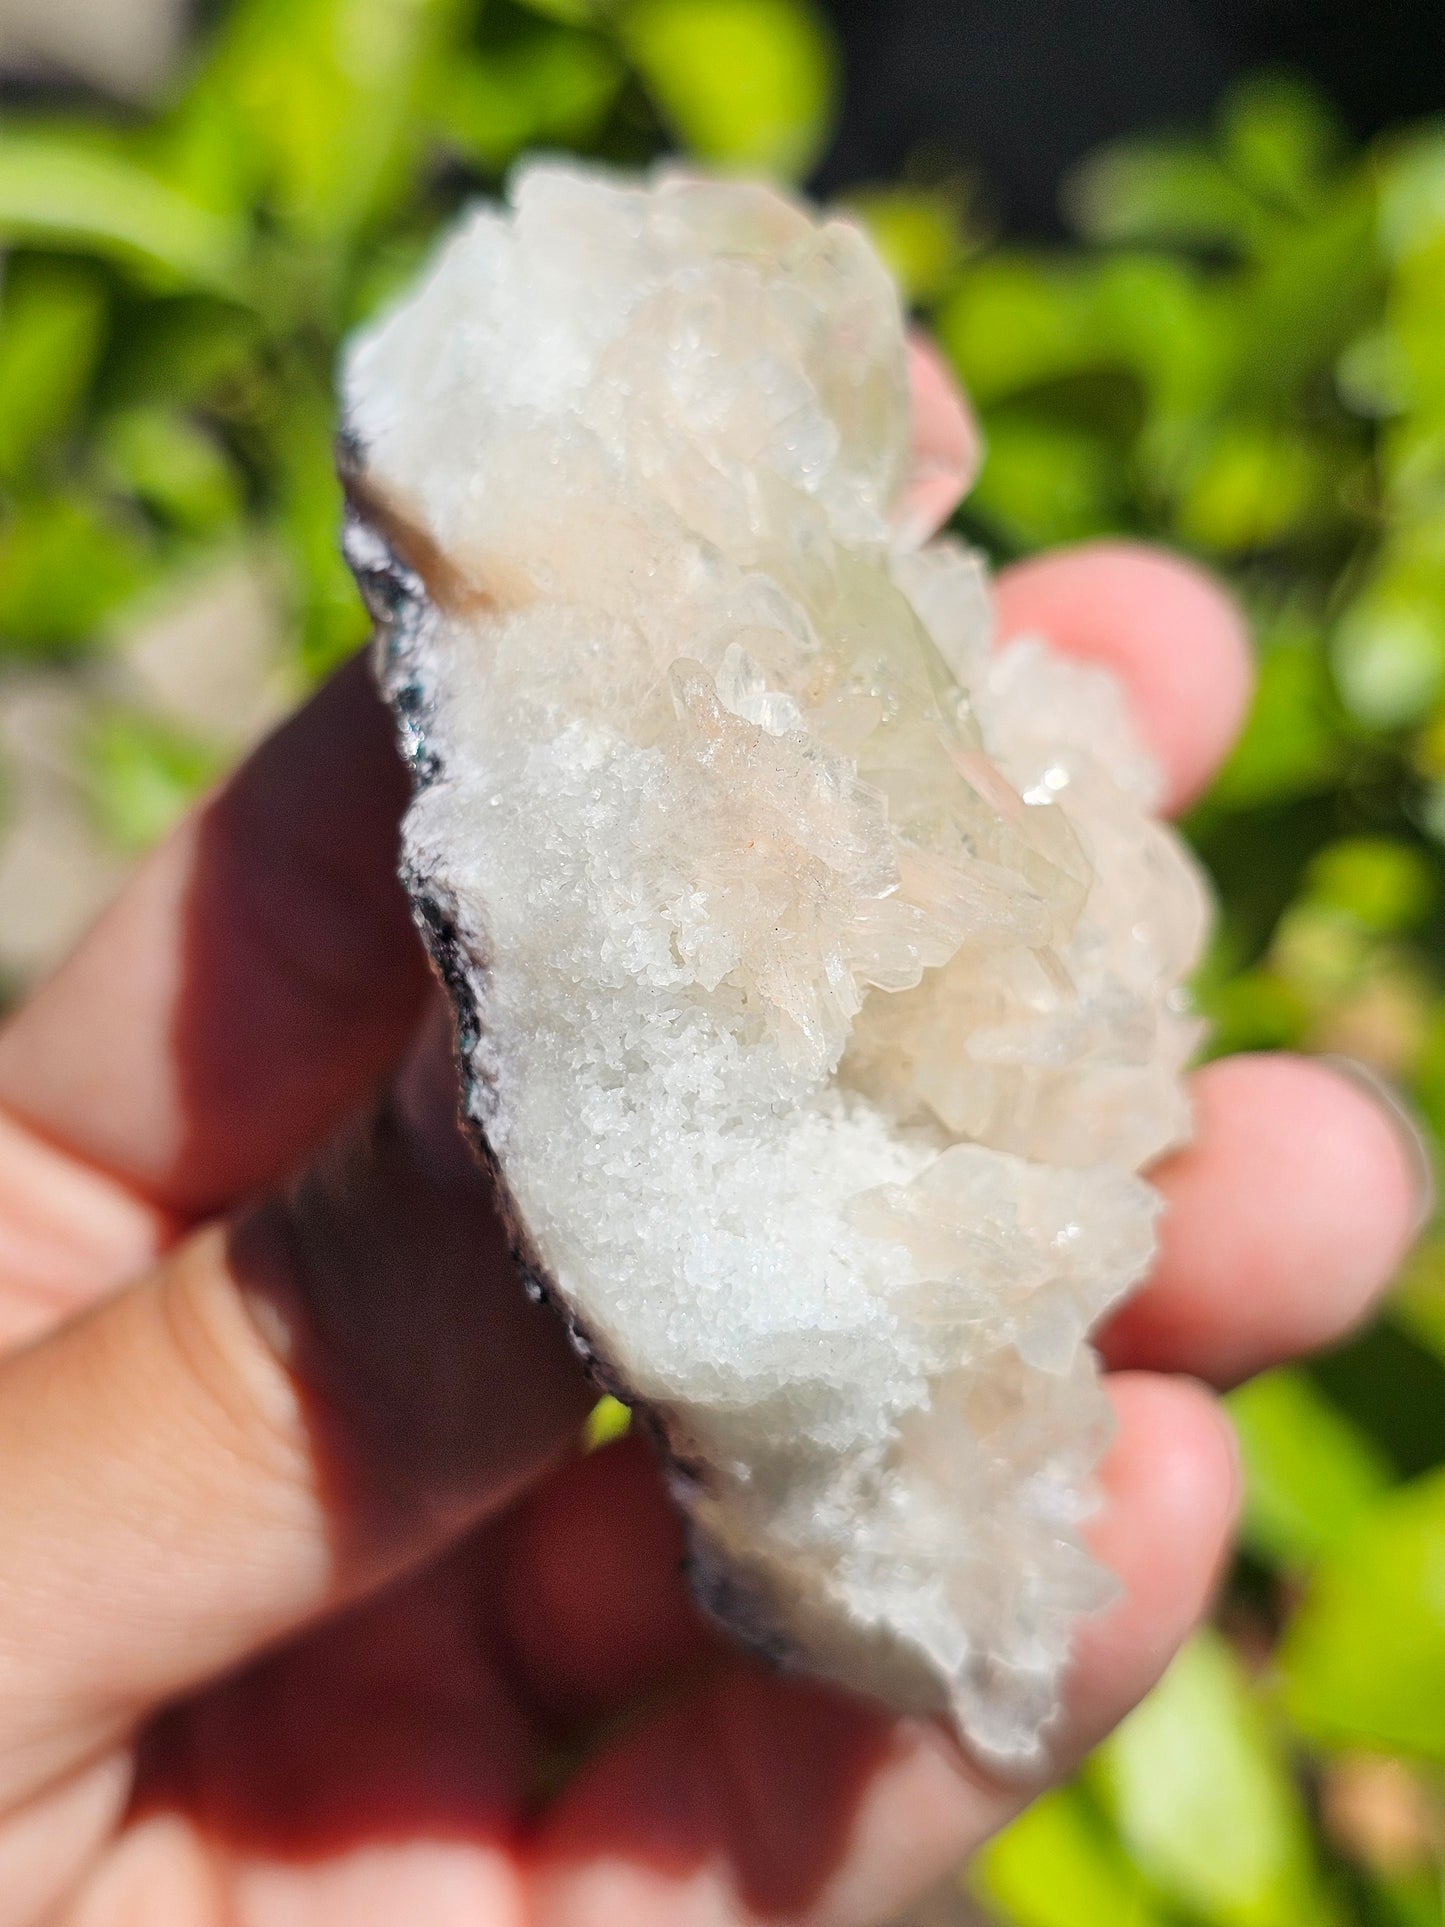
(816,963)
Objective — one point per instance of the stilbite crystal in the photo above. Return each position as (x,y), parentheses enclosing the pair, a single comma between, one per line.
(817,964)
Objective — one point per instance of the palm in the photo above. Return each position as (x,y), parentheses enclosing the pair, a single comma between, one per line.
(377,1769)
(306,1476)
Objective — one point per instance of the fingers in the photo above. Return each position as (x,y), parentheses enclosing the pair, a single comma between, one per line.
(1170,634)
(255,978)
(44,1843)
(594,1603)
(67,1232)
(1284,1220)
(760,1799)
(286,1411)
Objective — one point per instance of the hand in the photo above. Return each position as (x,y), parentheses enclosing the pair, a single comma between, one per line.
(306,1594)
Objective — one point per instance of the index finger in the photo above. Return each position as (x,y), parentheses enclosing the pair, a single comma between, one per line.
(251,983)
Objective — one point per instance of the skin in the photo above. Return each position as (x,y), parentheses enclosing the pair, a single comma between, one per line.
(311,1610)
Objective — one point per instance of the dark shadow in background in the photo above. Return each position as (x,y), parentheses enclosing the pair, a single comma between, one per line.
(1021,89)
(1016,91)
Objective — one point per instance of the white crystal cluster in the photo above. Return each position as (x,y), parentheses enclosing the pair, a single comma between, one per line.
(819,962)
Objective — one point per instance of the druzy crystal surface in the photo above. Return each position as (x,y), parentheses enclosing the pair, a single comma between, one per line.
(817,961)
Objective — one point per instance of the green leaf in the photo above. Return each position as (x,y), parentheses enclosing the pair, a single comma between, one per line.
(1388,651)
(1254,485)
(606,1421)
(1170,326)
(57,193)
(1412,201)
(1057,1866)
(1022,323)
(1310,1475)
(1419,1298)
(178,351)
(572,13)
(1363,1663)
(1045,481)
(744,84)
(1382,884)
(143,775)
(1413,320)
(1373,374)
(1016,322)
(1254,1011)
(320,98)
(51,329)
(172,465)
(1204,1800)
(67,563)
(1391,1387)
(331,618)
(1325,955)
(1293,741)
(386,273)
(1317,286)
(1280,136)
(1409,1899)
(554,88)
(1162,192)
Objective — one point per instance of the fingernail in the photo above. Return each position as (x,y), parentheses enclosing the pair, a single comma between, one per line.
(1410,1132)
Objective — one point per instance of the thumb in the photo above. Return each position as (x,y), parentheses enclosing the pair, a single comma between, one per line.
(291,1408)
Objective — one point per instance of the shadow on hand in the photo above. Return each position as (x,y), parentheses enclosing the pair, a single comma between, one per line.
(433,1392)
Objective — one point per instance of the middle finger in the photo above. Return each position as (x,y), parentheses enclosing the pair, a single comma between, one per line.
(1284,1219)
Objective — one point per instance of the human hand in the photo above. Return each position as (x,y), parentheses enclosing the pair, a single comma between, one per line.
(306,1595)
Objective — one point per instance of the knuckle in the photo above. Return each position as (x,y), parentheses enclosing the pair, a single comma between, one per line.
(394,1310)
(248,1405)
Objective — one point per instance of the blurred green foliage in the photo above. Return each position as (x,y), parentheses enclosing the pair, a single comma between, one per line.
(1241,352)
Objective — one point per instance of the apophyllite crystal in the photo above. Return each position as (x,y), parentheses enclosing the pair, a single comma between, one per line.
(816,963)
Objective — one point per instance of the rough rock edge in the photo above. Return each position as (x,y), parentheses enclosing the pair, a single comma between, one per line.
(404,612)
